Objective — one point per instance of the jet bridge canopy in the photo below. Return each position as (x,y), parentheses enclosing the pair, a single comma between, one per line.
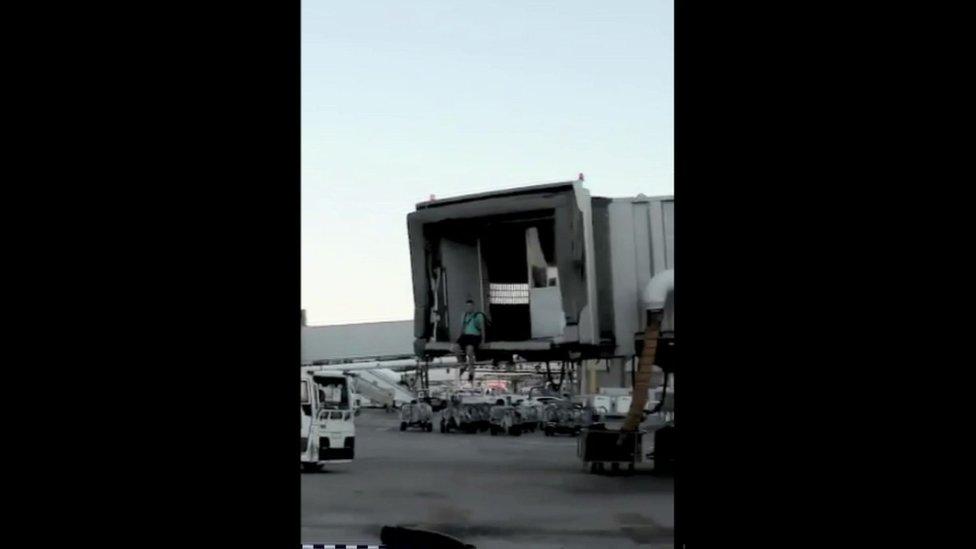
(557,271)
(524,256)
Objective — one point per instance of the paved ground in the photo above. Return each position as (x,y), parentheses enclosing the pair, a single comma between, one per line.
(494,492)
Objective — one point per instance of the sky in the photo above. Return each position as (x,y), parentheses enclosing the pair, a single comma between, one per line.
(404,99)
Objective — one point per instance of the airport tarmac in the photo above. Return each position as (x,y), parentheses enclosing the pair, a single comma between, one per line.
(493,492)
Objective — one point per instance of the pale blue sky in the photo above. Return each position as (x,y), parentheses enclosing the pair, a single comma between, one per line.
(406,98)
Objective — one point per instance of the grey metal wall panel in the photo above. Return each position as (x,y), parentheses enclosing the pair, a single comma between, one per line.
(589,326)
(463,268)
(668,206)
(642,245)
(657,242)
(644,217)
(668,209)
(604,276)
(623,264)
(574,259)
(418,269)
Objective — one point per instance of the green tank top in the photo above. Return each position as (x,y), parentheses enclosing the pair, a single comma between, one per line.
(474,323)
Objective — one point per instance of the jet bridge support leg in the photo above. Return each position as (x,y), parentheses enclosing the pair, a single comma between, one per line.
(613,373)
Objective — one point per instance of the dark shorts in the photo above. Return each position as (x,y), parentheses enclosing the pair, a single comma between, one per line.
(468,339)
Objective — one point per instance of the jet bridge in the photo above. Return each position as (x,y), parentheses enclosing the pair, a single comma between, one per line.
(558,272)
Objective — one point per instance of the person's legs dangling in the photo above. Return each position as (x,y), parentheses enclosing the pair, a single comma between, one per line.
(470,357)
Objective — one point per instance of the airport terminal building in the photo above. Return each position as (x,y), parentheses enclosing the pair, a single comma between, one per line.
(347,342)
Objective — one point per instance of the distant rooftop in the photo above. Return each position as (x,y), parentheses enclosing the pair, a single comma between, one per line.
(357,341)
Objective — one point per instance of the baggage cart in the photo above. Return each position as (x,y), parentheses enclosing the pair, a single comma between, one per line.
(416,414)
(601,449)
